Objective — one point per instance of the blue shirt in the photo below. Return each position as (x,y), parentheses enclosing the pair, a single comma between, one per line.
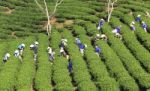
(118,29)
(20,47)
(78,41)
(144,25)
(132,27)
(70,65)
(138,19)
(81,46)
(101,23)
(97,49)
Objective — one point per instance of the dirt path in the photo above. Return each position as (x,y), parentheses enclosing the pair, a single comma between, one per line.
(32,89)
(58,25)
(8,10)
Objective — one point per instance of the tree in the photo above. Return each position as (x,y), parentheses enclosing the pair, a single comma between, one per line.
(46,12)
(110,8)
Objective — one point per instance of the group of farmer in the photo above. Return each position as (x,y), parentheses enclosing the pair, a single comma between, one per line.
(18,53)
(139,20)
(117,30)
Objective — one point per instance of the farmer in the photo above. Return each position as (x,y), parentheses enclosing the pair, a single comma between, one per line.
(21,48)
(82,48)
(104,37)
(117,32)
(34,47)
(97,50)
(132,26)
(97,37)
(118,35)
(6,57)
(138,18)
(78,41)
(63,43)
(70,66)
(101,23)
(94,39)
(17,55)
(64,53)
(144,26)
(51,54)
(31,46)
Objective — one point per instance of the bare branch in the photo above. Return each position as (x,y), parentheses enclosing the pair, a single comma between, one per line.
(39,5)
(59,2)
(46,12)
(110,10)
(56,5)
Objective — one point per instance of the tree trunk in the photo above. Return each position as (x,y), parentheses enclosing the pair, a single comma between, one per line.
(108,7)
(48,19)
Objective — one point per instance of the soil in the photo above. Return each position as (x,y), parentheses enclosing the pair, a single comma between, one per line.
(68,22)
(58,25)
(13,34)
(130,13)
(8,10)
(32,89)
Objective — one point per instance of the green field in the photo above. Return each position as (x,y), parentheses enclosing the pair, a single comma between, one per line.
(124,65)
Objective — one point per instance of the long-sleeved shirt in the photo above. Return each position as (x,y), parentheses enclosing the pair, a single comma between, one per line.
(101,23)
(20,47)
(78,41)
(138,19)
(132,27)
(81,46)
(35,49)
(16,53)
(118,29)
(6,57)
(97,50)
(144,25)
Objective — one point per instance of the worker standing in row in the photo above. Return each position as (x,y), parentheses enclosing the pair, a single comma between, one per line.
(78,41)
(100,24)
(34,47)
(138,18)
(6,57)
(82,48)
(132,26)
(17,55)
(97,50)
(21,48)
(62,46)
(117,32)
(144,26)
(51,54)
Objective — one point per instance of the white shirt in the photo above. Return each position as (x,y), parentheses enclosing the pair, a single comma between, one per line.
(50,50)
(31,45)
(103,36)
(114,31)
(61,49)
(16,53)
(7,55)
